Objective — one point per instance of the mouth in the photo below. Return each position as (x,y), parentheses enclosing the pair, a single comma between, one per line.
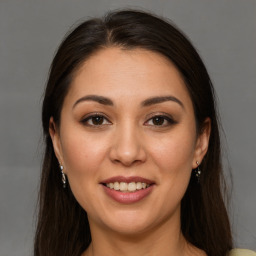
(127,189)
(127,184)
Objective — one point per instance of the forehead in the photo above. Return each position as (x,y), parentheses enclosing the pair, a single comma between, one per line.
(114,72)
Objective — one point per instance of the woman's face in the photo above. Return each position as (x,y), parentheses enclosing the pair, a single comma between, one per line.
(127,122)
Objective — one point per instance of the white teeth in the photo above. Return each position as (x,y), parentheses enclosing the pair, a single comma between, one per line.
(116,186)
(123,186)
(127,187)
(132,186)
(138,185)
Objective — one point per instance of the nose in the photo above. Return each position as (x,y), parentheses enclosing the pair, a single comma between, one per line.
(127,146)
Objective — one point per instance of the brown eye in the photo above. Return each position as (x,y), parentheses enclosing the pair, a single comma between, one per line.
(158,120)
(95,120)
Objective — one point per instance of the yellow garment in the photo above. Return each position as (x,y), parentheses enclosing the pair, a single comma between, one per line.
(242,252)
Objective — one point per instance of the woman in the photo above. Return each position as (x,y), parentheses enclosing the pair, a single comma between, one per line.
(132,160)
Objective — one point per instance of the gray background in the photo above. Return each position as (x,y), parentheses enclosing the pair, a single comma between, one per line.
(30,31)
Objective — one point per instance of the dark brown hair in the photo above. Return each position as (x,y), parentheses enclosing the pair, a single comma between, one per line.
(62,227)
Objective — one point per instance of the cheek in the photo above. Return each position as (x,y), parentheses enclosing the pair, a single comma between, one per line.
(174,152)
(83,156)
(173,157)
(82,153)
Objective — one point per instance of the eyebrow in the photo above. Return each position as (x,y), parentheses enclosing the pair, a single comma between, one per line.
(148,102)
(100,99)
(161,99)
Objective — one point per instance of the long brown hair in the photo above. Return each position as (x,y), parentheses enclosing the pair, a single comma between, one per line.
(63,227)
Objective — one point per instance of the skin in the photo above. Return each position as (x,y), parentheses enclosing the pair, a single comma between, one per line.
(128,141)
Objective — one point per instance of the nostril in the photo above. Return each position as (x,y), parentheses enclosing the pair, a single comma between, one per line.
(127,163)
(127,151)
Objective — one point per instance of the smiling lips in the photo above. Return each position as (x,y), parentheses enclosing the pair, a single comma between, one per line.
(127,189)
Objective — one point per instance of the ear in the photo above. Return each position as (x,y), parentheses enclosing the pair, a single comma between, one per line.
(202,143)
(55,136)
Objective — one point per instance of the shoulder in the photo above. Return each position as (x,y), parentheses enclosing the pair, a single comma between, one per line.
(241,252)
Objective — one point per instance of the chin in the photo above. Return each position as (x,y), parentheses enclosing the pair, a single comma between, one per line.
(129,228)
(128,222)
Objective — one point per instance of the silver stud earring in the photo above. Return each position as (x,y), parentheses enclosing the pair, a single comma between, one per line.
(197,172)
(63,177)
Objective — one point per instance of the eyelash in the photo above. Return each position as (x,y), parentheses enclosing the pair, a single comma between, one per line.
(163,117)
(86,120)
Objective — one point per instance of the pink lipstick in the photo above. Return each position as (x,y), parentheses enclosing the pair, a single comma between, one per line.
(127,190)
